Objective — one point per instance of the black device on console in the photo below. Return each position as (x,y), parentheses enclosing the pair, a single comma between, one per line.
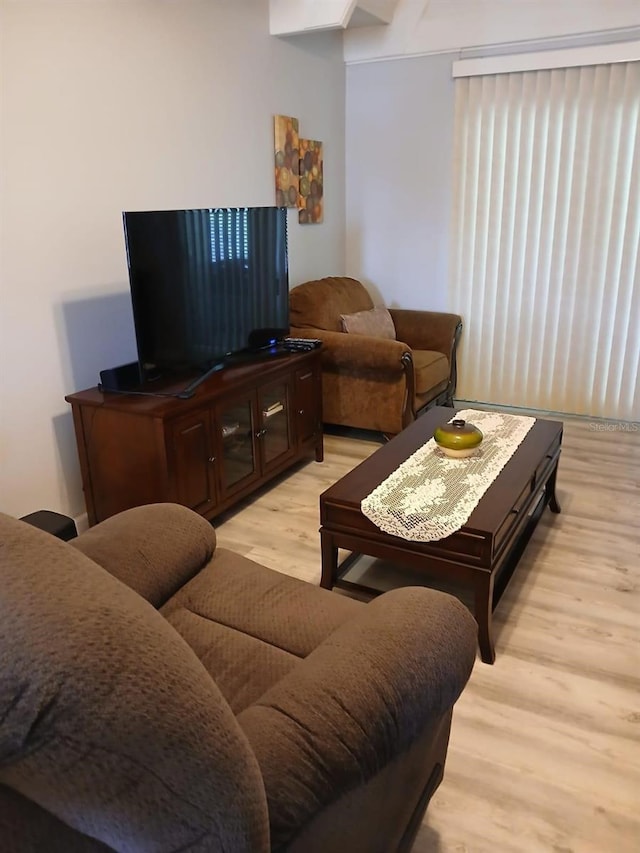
(121,378)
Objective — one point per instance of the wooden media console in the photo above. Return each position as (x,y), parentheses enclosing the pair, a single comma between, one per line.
(243,426)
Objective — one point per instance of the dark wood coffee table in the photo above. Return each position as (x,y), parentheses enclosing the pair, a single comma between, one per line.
(482,555)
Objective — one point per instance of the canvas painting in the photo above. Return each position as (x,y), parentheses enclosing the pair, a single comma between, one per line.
(310,187)
(287,160)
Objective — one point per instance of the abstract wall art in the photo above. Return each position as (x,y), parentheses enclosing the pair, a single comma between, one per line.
(287,160)
(299,171)
(310,192)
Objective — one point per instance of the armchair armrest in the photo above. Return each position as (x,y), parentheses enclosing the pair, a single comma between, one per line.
(427,330)
(358,700)
(154,549)
(361,352)
(110,723)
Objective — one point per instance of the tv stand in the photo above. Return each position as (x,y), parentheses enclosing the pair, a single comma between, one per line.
(238,429)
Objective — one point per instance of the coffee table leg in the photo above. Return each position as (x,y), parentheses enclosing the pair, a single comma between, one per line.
(550,488)
(483,614)
(329,554)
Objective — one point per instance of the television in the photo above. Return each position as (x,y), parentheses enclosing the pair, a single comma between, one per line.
(206,285)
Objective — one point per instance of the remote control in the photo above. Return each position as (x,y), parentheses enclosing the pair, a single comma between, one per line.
(301,343)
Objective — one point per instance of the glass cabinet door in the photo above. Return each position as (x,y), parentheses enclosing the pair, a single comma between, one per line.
(275,422)
(237,439)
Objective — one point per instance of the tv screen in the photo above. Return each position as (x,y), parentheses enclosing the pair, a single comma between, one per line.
(206,283)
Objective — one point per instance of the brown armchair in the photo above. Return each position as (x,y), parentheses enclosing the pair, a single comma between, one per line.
(161,693)
(371,382)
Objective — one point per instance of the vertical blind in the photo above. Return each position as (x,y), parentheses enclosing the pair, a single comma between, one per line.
(546,237)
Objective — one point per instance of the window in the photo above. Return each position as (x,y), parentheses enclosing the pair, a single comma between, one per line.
(545,265)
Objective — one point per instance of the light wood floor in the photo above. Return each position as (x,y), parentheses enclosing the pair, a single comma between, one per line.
(545,744)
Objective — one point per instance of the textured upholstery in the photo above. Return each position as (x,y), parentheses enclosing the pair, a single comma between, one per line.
(134,548)
(431,370)
(248,711)
(353,705)
(320,303)
(108,719)
(375,322)
(236,614)
(372,382)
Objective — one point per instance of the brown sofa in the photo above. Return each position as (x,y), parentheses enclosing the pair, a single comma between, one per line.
(373,382)
(162,694)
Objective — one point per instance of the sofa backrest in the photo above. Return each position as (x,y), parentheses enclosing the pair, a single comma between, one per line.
(108,720)
(168,564)
(319,304)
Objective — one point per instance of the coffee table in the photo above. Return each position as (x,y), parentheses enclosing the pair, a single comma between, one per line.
(482,556)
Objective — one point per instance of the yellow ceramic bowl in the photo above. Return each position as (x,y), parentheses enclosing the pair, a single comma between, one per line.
(458,439)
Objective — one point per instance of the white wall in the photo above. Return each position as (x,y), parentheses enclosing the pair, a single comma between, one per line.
(109,106)
(399,139)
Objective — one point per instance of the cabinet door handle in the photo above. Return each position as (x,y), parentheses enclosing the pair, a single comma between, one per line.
(212,459)
(301,411)
(260,433)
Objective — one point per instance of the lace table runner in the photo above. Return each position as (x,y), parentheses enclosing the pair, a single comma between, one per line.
(430,495)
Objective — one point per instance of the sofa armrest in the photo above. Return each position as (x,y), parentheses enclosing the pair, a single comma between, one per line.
(358,352)
(358,700)
(427,330)
(154,549)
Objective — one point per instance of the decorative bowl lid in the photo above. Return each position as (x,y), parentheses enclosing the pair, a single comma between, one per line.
(458,435)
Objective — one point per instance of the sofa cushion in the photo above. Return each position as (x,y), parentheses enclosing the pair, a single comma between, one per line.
(430,368)
(376,323)
(319,304)
(251,625)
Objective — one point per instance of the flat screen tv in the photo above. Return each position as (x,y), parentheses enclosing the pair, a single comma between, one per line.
(206,284)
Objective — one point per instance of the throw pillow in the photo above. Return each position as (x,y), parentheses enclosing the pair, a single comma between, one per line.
(376,322)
